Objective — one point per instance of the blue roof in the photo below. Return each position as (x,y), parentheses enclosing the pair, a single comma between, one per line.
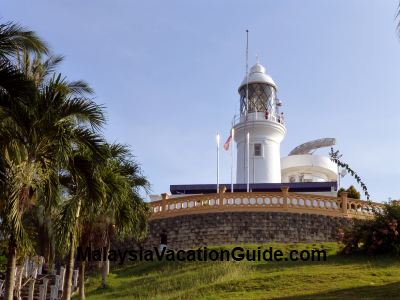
(255,187)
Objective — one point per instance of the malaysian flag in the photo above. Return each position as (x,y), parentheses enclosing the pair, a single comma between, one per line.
(228,142)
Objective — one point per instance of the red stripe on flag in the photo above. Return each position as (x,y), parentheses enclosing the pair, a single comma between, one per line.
(227,143)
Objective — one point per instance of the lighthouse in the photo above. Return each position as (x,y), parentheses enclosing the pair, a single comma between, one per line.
(259,129)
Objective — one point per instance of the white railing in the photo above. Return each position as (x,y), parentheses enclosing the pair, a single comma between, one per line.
(264,201)
(257,116)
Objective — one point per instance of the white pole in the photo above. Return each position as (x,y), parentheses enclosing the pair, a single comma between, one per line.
(232,141)
(254,169)
(247,72)
(248,161)
(217,162)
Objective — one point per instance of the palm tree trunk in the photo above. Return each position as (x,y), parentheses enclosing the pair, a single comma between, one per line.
(43,243)
(69,270)
(52,254)
(71,258)
(11,266)
(82,280)
(105,268)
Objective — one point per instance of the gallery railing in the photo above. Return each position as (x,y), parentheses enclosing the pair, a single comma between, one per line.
(258,116)
(283,201)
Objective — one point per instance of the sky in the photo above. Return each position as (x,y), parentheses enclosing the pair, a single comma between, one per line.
(168,74)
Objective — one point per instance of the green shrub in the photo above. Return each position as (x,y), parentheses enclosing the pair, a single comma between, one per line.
(351,192)
(376,236)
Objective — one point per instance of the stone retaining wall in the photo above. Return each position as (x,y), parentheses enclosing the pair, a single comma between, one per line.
(191,231)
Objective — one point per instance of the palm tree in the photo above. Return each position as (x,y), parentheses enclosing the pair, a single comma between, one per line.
(124,213)
(84,192)
(38,133)
(103,196)
(53,160)
(15,174)
(40,70)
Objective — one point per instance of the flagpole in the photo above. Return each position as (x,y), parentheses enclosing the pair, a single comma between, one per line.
(217,162)
(232,141)
(247,72)
(248,161)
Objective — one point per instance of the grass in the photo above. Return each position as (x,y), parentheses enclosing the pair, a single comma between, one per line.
(337,278)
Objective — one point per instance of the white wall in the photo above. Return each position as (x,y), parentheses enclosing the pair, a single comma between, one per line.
(266,168)
(317,168)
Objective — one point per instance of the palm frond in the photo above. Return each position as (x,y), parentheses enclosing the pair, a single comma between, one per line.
(13,82)
(87,138)
(84,111)
(15,38)
(80,88)
(66,222)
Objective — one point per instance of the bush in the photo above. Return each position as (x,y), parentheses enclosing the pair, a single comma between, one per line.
(376,236)
(351,192)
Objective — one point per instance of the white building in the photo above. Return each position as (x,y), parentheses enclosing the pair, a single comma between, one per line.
(261,122)
(301,165)
(258,132)
(258,159)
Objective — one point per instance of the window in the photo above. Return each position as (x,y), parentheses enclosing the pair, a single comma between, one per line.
(257,150)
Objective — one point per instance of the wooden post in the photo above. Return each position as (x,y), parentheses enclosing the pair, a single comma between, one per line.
(343,196)
(164,197)
(285,194)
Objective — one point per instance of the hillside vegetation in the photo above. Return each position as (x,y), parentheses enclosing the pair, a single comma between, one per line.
(337,278)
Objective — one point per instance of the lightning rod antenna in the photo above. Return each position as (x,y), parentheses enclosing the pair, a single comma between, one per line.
(247,71)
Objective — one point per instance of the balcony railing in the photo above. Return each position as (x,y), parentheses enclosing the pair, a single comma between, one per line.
(258,116)
(283,201)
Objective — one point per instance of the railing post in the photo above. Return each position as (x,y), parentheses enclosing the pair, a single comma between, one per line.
(41,262)
(164,197)
(285,194)
(43,289)
(343,196)
(42,292)
(222,191)
(62,276)
(31,289)
(53,292)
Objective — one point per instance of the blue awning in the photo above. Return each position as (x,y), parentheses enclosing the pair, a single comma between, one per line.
(255,187)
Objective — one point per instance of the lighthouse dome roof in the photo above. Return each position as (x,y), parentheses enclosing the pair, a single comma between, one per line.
(257,74)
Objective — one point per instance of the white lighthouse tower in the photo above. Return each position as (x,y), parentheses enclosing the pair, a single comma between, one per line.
(259,129)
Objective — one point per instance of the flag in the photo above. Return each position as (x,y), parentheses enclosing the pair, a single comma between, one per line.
(228,142)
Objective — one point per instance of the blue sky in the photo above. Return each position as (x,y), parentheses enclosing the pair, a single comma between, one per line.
(168,73)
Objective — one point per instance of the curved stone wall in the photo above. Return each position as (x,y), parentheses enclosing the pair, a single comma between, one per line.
(192,231)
